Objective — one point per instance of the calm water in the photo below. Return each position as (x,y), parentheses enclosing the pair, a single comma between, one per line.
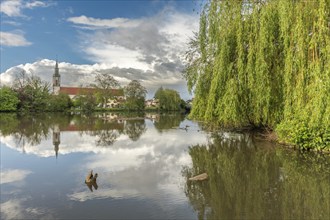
(143,164)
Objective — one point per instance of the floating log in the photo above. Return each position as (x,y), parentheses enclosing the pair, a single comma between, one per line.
(199,177)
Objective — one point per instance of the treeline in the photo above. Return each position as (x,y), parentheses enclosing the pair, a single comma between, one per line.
(31,94)
(33,128)
(264,63)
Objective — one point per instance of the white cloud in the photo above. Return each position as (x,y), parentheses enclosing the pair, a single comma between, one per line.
(116,56)
(13,23)
(76,75)
(95,23)
(13,8)
(13,39)
(35,4)
(153,45)
(149,49)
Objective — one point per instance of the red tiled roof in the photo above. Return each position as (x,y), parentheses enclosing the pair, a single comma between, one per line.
(78,90)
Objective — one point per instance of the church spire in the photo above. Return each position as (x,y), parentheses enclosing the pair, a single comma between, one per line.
(56,80)
(57,72)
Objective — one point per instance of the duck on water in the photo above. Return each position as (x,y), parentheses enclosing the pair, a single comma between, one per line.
(91,181)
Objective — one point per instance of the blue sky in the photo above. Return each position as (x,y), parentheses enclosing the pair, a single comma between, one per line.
(135,39)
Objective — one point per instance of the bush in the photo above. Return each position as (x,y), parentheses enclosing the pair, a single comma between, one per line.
(304,136)
(8,99)
(59,103)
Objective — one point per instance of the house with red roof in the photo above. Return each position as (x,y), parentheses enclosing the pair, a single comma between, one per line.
(72,92)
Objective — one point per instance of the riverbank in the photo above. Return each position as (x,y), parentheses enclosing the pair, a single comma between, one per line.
(264,133)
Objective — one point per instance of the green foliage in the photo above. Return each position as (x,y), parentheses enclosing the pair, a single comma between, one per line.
(134,103)
(59,103)
(169,100)
(105,83)
(304,136)
(263,63)
(135,95)
(32,92)
(85,102)
(8,99)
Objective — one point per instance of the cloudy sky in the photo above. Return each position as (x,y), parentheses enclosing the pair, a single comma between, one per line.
(130,39)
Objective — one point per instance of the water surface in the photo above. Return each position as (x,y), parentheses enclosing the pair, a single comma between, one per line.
(143,164)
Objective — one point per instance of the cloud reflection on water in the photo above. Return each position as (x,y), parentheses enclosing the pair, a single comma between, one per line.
(147,168)
(13,175)
(16,209)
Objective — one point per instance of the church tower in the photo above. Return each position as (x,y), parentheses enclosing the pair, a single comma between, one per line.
(56,139)
(56,80)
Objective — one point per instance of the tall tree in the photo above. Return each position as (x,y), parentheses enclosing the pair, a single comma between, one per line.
(135,95)
(33,93)
(106,84)
(265,64)
(168,99)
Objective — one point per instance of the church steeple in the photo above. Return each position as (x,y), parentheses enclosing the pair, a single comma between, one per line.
(56,80)
(56,69)
(56,139)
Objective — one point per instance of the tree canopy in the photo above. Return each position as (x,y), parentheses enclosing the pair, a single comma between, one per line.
(265,64)
(33,92)
(135,95)
(168,99)
(105,83)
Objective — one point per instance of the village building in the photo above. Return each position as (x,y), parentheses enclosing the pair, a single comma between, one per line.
(151,103)
(117,94)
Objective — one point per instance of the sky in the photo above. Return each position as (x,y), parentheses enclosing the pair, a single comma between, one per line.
(129,39)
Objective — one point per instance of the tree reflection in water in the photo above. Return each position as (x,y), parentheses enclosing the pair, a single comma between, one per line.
(249,182)
(167,121)
(30,129)
(134,128)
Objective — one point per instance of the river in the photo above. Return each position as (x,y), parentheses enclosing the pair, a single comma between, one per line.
(143,164)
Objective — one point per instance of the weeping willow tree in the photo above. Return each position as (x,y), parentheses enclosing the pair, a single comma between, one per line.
(264,63)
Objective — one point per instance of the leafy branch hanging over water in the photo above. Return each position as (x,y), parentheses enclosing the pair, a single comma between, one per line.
(265,64)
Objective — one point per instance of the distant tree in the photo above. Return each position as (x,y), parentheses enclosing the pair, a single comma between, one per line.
(58,103)
(105,83)
(168,99)
(33,93)
(85,102)
(8,99)
(135,95)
